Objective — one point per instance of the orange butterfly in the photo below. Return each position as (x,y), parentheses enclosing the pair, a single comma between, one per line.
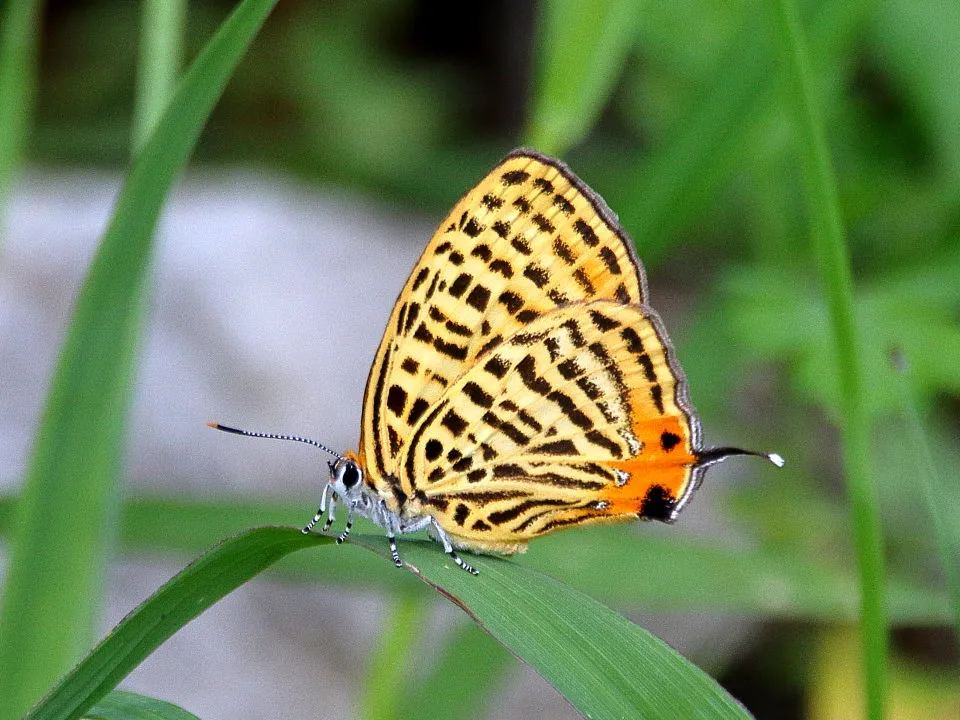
(523,383)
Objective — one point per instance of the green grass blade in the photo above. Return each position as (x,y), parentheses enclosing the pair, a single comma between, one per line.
(18,38)
(677,183)
(605,665)
(464,676)
(387,676)
(123,705)
(52,589)
(830,249)
(197,587)
(930,482)
(582,48)
(161,40)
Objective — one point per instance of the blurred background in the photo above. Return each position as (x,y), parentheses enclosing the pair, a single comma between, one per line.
(347,133)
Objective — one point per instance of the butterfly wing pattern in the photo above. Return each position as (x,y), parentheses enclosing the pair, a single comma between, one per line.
(523,383)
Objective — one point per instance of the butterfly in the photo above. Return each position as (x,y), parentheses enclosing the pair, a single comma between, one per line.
(523,383)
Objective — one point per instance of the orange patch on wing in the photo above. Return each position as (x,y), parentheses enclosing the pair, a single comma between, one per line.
(654,465)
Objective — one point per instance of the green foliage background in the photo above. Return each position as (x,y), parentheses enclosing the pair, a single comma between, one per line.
(684,118)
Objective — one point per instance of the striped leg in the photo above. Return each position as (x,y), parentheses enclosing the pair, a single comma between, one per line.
(346,531)
(320,511)
(448,549)
(394,553)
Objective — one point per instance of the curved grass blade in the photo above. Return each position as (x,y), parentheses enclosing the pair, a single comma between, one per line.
(52,588)
(202,583)
(123,705)
(582,48)
(830,251)
(930,482)
(18,40)
(161,45)
(605,665)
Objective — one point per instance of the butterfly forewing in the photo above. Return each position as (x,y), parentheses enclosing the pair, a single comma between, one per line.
(528,239)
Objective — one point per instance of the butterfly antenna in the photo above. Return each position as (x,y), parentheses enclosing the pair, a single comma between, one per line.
(273,436)
(715,455)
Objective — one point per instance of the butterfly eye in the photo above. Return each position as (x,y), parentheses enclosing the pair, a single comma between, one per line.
(349,474)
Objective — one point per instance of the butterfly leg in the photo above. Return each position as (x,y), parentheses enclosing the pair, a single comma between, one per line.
(346,530)
(448,548)
(394,553)
(322,509)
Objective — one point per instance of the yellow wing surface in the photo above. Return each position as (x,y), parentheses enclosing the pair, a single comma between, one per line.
(522,383)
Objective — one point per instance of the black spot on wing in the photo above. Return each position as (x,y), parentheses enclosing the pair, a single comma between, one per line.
(562,251)
(586,232)
(421,277)
(457,352)
(515,177)
(511,301)
(396,399)
(557,447)
(520,245)
(669,440)
(610,260)
(477,395)
(543,185)
(491,202)
(478,298)
(600,440)
(536,274)
(473,228)
(542,223)
(454,423)
(432,449)
(657,504)
(564,205)
(460,285)
(502,267)
(481,251)
(416,410)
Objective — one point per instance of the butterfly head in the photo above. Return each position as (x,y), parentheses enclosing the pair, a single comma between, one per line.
(346,478)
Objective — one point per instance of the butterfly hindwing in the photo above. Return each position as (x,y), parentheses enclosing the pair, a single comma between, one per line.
(579,417)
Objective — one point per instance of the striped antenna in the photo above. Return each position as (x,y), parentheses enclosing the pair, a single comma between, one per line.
(273,436)
(715,455)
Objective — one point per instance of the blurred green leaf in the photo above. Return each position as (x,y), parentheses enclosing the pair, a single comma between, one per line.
(932,488)
(918,40)
(18,39)
(52,590)
(581,51)
(779,316)
(123,705)
(462,678)
(714,137)
(386,682)
(202,583)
